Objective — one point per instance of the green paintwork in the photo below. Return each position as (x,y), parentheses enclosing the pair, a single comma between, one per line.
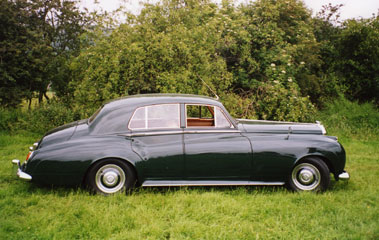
(162,156)
(217,156)
(250,150)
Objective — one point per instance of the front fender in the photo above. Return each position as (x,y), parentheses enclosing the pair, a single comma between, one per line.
(332,153)
(274,155)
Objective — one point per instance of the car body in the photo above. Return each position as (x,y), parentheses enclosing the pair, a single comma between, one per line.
(177,140)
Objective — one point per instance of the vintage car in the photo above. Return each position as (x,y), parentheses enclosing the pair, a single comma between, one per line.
(182,140)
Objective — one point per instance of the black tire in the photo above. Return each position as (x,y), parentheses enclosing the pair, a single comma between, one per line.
(311,174)
(110,176)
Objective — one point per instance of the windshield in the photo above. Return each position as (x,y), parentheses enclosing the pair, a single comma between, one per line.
(94,115)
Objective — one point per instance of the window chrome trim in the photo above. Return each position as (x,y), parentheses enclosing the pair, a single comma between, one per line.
(153,133)
(141,134)
(212,131)
(146,117)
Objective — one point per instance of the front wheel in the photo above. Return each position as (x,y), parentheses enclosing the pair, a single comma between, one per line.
(312,174)
(110,176)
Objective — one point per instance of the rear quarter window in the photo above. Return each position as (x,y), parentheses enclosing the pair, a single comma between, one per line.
(95,115)
(115,121)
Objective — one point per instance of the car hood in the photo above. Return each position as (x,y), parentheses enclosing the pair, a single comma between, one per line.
(60,134)
(277,127)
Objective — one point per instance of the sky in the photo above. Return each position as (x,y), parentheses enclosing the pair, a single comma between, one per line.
(351,8)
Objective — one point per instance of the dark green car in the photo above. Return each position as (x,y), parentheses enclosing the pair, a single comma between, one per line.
(182,140)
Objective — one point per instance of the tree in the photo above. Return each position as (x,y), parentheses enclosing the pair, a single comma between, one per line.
(63,24)
(37,39)
(24,53)
(271,50)
(350,54)
(358,58)
(174,43)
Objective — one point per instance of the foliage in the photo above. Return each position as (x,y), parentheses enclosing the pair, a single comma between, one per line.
(23,52)
(37,39)
(350,53)
(277,45)
(140,57)
(172,45)
(265,59)
(350,119)
(358,48)
(39,120)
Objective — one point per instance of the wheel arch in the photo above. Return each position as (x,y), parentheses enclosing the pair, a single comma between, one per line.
(319,156)
(93,163)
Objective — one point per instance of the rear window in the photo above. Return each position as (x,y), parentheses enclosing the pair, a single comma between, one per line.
(95,115)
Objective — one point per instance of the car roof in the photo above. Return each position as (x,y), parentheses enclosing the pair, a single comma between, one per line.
(134,101)
(129,104)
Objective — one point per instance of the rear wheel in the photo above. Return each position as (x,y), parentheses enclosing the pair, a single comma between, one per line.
(110,176)
(312,174)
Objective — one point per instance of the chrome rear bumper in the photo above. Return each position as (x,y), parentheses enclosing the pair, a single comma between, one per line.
(20,173)
(344,176)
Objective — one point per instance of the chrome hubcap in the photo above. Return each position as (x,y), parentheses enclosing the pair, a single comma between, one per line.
(306,177)
(110,178)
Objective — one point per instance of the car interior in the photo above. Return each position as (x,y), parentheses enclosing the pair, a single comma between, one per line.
(200,116)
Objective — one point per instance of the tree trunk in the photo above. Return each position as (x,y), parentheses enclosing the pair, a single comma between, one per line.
(47,97)
(40,97)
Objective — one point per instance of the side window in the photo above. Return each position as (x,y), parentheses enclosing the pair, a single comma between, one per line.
(200,116)
(156,116)
(139,120)
(221,120)
(206,116)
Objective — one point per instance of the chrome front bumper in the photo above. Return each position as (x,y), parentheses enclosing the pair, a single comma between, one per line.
(20,173)
(344,176)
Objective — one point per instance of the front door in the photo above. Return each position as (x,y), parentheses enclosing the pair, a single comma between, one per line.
(213,148)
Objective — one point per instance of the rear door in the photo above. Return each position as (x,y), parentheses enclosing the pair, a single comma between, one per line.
(158,139)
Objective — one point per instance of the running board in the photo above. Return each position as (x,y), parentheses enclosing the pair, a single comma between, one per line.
(175,183)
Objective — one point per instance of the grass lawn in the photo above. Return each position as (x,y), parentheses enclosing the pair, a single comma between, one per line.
(346,211)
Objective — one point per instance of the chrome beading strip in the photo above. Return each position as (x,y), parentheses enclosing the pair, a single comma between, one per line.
(151,183)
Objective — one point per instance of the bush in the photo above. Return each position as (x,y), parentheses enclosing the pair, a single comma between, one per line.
(9,118)
(350,119)
(258,48)
(271,102)
(38,120)
(49,116)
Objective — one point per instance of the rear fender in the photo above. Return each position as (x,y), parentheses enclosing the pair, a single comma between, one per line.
(68,162)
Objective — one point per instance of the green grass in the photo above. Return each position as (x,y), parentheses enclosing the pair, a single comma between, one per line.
(346,211)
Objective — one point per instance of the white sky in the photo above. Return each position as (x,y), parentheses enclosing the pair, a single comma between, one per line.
(351,8)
